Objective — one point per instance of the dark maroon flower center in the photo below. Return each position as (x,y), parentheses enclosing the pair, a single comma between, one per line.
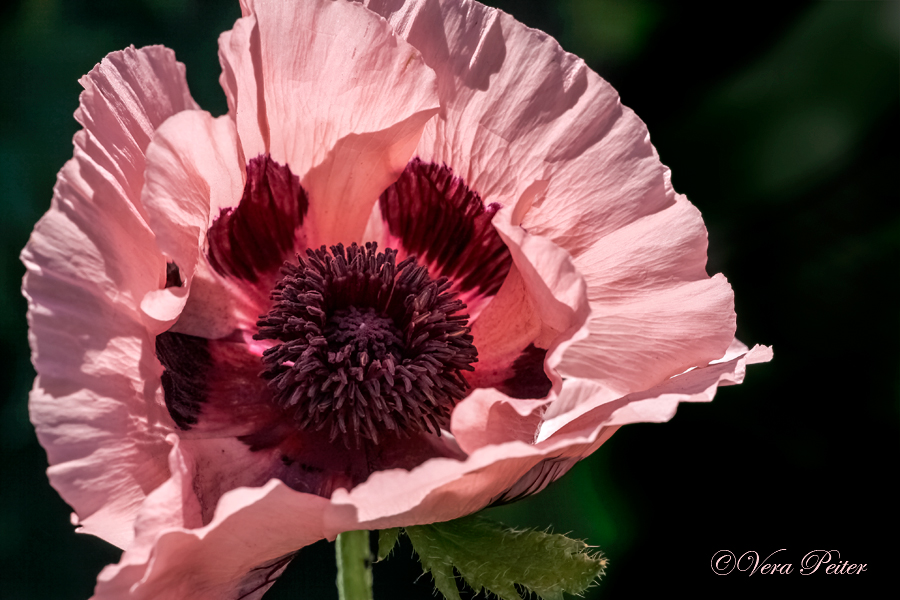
(367,346)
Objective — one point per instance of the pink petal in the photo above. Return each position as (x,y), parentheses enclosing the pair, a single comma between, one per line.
(192,174)
(655,311)
(223,559)
(544,302)
(94,406)
(173,558)
(586,405)
(444,489)
(568,438)
(636,345)
(273,64)
(647,256)
(541,306)
(126,98)
(90,261)
(553,283)
(530,126)
(96,212)
(503,331)
(239,55)
(488,416)
(212,562)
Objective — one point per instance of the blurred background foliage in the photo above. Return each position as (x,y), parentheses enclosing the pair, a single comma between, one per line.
(780,122)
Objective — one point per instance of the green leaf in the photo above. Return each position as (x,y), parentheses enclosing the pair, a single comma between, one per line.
(387,539)
(492,557)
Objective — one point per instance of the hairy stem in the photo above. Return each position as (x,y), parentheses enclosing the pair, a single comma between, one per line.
(354,565)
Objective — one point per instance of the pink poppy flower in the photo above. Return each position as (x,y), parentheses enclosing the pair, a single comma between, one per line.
(211,412)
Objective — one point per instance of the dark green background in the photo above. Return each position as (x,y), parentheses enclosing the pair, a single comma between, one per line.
(780,122)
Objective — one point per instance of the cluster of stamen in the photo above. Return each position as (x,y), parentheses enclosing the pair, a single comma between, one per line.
(368,346)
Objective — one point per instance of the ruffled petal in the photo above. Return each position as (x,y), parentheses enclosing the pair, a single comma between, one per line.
(542,305)
(540,310)
(529,125)
(239,55)
(584,403)
(633,346)
(488,416)
(582,411)
(174,506)
(655,311)
(90,261)
(193,173)
(213,561)
(272,66)
(650,255)
(94,405)
(223,560)
(126,98)
(503,331)
(443,489)
(96,227)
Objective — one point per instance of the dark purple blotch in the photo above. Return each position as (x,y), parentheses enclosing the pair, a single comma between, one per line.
(256,237)
(528,379)
(187,364)
(173,275)
(443,222)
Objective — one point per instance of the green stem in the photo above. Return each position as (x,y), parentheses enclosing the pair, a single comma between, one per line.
(354,565)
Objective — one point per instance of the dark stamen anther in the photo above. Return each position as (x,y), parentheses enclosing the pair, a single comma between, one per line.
(369,347)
